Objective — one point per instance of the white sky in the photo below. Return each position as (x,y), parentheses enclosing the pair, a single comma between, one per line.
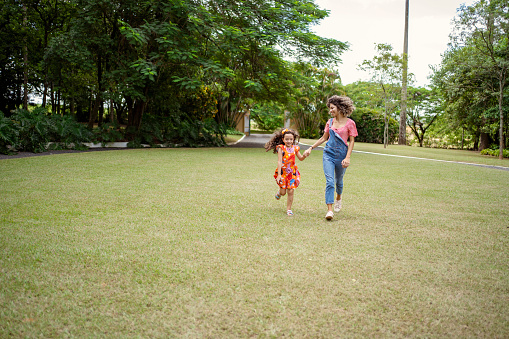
(363,23)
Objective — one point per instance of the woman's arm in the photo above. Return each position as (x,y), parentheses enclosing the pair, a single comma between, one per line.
(320,141)
(346,161)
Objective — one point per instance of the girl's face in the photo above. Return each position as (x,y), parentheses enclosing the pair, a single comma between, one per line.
(333,111)
(288,139)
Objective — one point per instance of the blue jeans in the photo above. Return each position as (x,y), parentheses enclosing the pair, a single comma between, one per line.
(334,172)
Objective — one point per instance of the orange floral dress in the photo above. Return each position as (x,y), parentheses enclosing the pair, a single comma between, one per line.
(290,175)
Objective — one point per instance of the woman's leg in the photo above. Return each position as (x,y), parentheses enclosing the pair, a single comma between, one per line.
(328,170)
(340,173)
(289,199)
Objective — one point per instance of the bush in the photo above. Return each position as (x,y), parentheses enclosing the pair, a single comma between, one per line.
(107,132)
(370,126)
(495,152)
(178,130)
(35,128)
(33,131)
(67,133)
(8,135)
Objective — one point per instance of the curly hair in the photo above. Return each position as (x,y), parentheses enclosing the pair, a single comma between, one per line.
(277,139)
(343,103)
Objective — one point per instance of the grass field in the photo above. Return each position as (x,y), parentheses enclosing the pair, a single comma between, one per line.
(191,243)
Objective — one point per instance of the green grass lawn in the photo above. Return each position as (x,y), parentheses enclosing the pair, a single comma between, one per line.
(429,153)
(192,243)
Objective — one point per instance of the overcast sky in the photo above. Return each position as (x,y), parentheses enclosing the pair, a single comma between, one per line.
(363,23)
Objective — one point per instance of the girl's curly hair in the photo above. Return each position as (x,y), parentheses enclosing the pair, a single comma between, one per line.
(343,103)
(277,139)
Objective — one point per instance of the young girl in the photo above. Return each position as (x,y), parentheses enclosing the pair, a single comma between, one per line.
(287,175)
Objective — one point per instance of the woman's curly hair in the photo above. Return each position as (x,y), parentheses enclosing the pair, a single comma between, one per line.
(343,103)
(277,139)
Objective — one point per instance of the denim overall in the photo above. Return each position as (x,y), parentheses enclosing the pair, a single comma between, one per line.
(333,154)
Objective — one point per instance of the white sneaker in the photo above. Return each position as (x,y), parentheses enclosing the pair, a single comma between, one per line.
(329,215)
(337,205)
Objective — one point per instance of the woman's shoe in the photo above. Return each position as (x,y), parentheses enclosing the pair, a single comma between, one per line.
(337,205)
(329,215)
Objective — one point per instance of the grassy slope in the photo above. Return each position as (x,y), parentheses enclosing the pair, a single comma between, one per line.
(190,242)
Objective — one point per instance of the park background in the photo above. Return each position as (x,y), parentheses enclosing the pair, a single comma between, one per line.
(184,238)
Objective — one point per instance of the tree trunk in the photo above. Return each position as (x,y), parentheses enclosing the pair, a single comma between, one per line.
(485,141)
(501,110)
(25,61)
(402,116)
(136,114)
(93,113)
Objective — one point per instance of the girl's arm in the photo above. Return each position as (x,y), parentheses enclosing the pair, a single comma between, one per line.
(300,156)
(279,163)
(346,161)
(320,141)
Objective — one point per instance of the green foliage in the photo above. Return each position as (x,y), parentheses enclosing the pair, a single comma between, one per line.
(268,117)
(8,134)
(67,133)
(108,132)
(36,131)
(495,152)
(308,104)
(370,126)
(178,130)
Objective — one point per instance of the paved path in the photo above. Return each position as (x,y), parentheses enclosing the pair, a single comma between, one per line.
(259,140)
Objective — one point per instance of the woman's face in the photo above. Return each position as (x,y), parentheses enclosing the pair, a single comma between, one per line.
(333,111)
(288,139)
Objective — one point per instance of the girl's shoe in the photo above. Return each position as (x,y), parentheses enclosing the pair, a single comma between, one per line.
(289,213)
(278,195)
(329,215)
(337,205)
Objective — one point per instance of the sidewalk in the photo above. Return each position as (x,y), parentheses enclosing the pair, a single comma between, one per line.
(257,141)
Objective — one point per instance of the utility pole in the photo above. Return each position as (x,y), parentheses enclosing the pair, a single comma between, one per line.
(402,115)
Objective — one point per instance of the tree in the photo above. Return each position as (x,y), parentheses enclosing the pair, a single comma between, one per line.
(386,70)
(402,117)
(424,108)
(485,27)
(312,88)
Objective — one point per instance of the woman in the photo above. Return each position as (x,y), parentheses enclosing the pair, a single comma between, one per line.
(336,155)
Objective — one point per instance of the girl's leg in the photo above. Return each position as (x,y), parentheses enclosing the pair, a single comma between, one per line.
(289,200)
(282,191)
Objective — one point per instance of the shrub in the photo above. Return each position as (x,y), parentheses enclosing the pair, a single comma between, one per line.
(34,130)
(8,135)
(177,129)
(495,152)
(370,126)
(107,132)
(67,133)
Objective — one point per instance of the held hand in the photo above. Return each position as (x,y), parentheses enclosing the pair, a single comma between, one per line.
(345,163)
(307,153)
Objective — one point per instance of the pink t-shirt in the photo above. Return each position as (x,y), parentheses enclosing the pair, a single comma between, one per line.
(349,130)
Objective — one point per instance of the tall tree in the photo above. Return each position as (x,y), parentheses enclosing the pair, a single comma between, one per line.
(424,108)
(402,116)
(485,27)
(385,69)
